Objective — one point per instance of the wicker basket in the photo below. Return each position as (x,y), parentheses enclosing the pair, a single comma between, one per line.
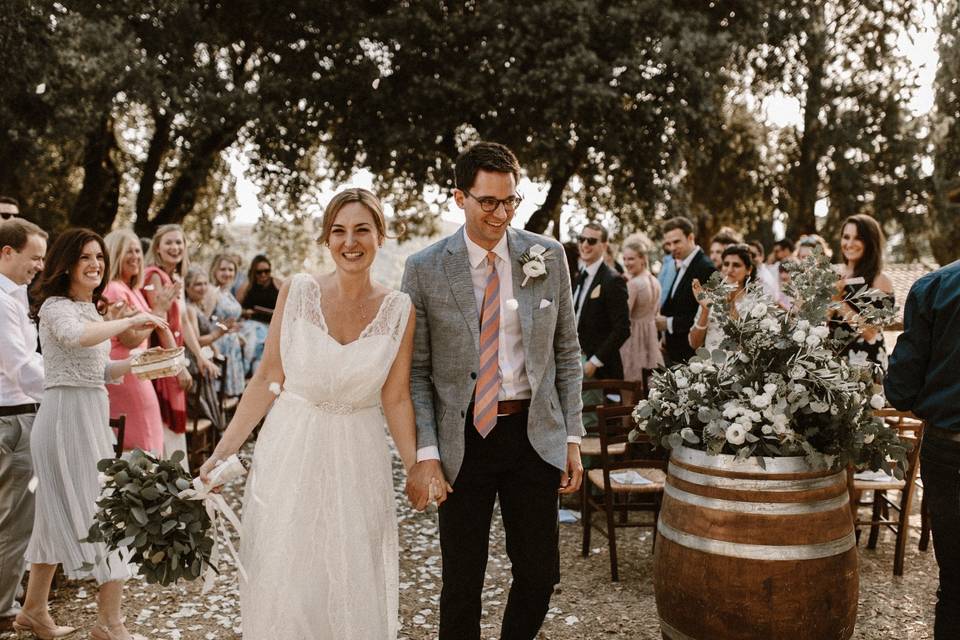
(158,363)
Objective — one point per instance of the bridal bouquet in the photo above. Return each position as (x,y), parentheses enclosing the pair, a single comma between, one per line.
(777,385)
(156,517)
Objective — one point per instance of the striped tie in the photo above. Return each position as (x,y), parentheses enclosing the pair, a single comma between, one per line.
(488,382)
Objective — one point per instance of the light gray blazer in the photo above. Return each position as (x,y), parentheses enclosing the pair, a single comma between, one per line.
(446,347)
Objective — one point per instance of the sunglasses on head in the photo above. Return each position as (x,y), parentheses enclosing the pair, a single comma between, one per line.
(590,241)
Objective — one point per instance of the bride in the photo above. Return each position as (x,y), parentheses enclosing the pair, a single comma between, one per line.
(319,534)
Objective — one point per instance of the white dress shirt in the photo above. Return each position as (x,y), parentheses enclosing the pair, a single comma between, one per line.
(514,384)
(681,270)
(580,296)
(21,367)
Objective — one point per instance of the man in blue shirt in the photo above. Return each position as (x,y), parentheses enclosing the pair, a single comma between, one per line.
(923,378)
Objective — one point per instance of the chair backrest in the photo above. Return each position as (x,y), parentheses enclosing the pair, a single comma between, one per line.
(614,426)
(630,392)
(120,424)
(910,429)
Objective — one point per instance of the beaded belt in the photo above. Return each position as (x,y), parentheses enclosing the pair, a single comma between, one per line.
(328,406)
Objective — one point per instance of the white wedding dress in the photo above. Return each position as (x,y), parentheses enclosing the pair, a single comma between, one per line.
(319,535)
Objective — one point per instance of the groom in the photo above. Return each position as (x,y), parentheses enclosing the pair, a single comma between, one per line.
(495,382)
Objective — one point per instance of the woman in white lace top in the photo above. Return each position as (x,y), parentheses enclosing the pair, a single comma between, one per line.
(738,269)
(71,432)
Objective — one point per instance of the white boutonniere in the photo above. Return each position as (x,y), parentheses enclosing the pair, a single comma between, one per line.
(534,261)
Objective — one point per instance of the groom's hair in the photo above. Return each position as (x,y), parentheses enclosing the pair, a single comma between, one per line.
(488,156)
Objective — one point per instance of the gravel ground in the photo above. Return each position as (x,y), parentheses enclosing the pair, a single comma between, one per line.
(587,605)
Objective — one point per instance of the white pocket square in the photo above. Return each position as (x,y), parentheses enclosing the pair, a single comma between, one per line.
(544,303)
(595,294)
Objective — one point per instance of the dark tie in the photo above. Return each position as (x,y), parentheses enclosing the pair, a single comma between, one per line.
(578,285)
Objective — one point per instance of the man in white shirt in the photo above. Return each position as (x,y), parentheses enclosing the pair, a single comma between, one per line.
(22,249)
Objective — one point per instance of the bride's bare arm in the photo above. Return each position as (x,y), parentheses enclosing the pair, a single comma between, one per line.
(395,397)
(257,397)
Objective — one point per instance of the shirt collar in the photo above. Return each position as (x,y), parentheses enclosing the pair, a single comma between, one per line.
(477,254)
(592,269)
(9,286)
(686,261)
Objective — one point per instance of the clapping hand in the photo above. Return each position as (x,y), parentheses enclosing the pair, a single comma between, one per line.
(143,320)
(166,295)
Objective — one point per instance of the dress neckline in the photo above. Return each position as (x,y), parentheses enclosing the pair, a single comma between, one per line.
(363,332)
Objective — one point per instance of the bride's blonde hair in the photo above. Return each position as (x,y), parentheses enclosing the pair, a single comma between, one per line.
(345,197)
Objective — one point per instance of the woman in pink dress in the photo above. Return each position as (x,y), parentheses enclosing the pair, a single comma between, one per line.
(641,352)
(134,398)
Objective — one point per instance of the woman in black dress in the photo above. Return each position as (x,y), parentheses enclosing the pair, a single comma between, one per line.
(258,297)
(861,245)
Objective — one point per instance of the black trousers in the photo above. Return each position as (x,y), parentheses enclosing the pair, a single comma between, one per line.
(503,465)
(940,469)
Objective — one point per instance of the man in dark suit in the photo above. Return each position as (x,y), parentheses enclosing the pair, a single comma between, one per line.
(680,309)
(922,378)
(600,303)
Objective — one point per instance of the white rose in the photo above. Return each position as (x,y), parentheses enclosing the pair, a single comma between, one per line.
(820,331)
(797,372)
(682,383)
(780,422)
(536,250)
(877,401)
(803,325)
(731,411)
(534,268)
(766,429)
(867,439)
(799,336)
(813,340)
(654,394)
(760,401)
(759,310)
(696,367)
(769,324)
(736,434)
(700,388)
(770,388)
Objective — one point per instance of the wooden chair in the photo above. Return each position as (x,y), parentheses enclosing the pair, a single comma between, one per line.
(640,456)
(202,432)
(629,392)
(910,430)
(119,424)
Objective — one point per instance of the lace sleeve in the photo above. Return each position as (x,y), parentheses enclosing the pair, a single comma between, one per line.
(64,320)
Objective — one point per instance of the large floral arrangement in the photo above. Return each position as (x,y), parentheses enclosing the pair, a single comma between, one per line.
(777,385)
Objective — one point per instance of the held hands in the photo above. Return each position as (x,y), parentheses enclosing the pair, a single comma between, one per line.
(589,369)
(571,478)
(426,483)
(661,323)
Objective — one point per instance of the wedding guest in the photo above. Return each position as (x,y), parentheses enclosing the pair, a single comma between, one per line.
(133,398)
(783,250)
(641,352)
(571,252)
(610,258)
(677,313)
(227,311)
(9,208)
(861,243)
(205,402)
(723,238)
(600,305)
(167,261)
(769,278)
(71,433)
(923,379)
(22,249)
(809,243)
(738,268)
(258,296)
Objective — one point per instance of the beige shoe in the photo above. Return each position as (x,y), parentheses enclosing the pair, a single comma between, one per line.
(113,632)
(24,623)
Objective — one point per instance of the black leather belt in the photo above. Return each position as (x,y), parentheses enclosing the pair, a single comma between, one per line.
(19,410)
(511,407)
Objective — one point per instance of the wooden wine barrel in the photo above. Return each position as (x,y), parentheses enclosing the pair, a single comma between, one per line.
(744,552)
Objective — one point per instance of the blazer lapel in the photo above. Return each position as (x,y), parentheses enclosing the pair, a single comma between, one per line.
(524,296)
(456,266)
(600,276)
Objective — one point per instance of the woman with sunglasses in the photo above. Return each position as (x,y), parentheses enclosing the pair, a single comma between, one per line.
(258,296)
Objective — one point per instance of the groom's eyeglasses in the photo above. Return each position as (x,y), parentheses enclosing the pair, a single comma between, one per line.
(489,204)
(590,241)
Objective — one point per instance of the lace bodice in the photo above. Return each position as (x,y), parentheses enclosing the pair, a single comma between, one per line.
(338,378)
(65,362)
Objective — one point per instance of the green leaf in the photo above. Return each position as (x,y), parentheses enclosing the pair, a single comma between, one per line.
(139,514)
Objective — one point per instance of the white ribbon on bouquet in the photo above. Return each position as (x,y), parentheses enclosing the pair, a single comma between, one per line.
(216,506)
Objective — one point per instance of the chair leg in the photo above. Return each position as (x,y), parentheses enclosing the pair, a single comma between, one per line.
(585,518)
(877,512)
(903,531)
(924,524)
(611,536)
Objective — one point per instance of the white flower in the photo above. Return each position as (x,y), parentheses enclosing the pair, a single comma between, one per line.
(877,401)
(858,358)
(731,411)
(759,310)
(682,383)
(766,429)
(799,336)
(760,401)
(536,249)
(780,422)
(512,303)
(274,388)
(654,394)
(696,367)
(700,388)
(797,372)
(803,325)
(770,324)
(813,340)
(867,439)
(534,268)
(821,331)
(770,388)
(736,434)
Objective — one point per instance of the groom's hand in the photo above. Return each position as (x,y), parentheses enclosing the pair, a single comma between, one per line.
(573,476)
(418,484)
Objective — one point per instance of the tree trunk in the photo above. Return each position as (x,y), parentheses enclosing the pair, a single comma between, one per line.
(805,184)
(549,211)
(159,144)
(96,205)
